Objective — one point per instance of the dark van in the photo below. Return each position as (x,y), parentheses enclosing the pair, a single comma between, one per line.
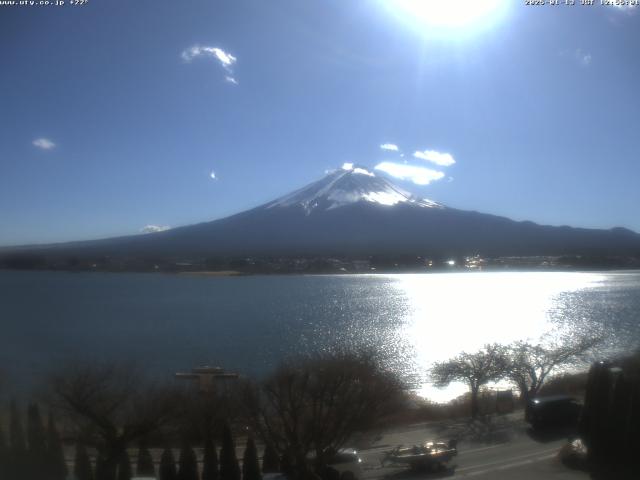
(553,411)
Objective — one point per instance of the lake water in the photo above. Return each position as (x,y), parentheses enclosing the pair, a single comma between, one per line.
(167,323)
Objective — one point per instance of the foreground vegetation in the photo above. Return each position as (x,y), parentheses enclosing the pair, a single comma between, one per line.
(526,365)
(299,415)
(305,410)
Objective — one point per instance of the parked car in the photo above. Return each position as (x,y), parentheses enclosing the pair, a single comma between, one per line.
(553,411)
(347,463)
(430,455)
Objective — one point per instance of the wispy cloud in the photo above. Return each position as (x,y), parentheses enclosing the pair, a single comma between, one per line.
(417,175)
(43,143)
(390,147)
(225,59)
(213,175)
(583,58)
(438,158)
(578,56)
(154,228)
(626,8)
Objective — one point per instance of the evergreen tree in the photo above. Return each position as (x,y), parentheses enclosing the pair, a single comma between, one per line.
(37,452)
(250,465)
(82,465)
(168,466)
(229,468)
(187,464)
(17,447)
(102,468)
(56,464)
(286,465)
(210,461)
(144,466)
(124,467)
(270,460)
(4,455)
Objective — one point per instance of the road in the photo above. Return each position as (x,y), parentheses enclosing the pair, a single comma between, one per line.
(520,456)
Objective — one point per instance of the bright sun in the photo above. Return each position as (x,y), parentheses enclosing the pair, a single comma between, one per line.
(449,13)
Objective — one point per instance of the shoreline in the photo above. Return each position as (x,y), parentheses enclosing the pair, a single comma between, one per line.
(209,273)
(237,273)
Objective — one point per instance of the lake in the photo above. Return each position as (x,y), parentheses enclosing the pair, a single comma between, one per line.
(167,323)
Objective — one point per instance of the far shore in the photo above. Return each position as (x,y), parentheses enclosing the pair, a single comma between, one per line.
(213,273)
(237,273)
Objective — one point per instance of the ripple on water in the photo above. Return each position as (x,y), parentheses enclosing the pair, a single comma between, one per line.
(167,323)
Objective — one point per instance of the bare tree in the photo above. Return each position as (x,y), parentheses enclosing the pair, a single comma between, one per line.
(529,365)
(317,405)
(111,406)
(475,369)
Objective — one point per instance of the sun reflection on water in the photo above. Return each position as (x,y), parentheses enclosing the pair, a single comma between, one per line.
(450,313)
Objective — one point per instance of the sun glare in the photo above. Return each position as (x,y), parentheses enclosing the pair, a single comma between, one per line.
(450,14)
(450,313)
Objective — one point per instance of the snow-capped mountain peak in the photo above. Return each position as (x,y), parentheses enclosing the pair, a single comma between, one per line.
(348,185)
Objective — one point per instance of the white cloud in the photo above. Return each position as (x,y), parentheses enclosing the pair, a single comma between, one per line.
(389,146)
(362,171)
(350,168)
(225,59)
(154,228)
(625,8)
(213,175)
(584,58)
(417,175)
(441,159)
(43,143)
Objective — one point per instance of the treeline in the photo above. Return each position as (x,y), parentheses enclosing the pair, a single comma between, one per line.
(39,455)
(36,454)
(524,364)
(338,263)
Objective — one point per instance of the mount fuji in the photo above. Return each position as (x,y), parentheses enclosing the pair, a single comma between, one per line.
(354,211)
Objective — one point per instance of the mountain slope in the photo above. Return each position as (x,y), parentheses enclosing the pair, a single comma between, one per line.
(352,211)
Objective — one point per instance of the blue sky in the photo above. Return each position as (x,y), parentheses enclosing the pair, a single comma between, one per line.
(113,115)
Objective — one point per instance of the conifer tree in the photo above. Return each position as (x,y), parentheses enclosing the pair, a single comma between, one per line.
(286,465)
(270,460)
(210,461)
(82,465)
(37,451)
(229,468)
(102,471)
(4,455)
(187,464)
(144,465)
(124,467)
(56,464)
(168,466)
(17,461)
(250,465)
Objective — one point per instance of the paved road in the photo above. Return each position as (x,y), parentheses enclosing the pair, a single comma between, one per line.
(521,457)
